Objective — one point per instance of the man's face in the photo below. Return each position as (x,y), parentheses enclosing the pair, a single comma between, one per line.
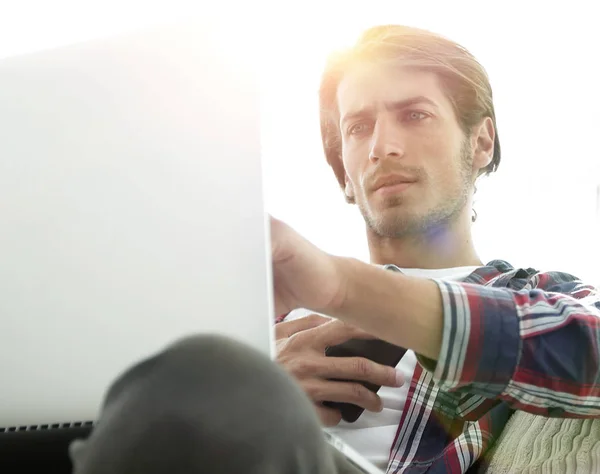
(409,166)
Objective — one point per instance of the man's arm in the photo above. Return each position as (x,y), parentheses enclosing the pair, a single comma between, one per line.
(403,310)
(537,348)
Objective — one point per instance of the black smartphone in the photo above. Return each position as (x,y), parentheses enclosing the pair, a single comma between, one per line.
(378,351)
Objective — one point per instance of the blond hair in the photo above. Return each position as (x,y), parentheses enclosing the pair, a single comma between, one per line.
(465,81)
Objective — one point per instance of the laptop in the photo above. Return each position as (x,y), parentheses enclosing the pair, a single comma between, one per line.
(132,213)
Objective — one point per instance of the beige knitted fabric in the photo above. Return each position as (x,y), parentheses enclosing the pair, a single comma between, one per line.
(536,444)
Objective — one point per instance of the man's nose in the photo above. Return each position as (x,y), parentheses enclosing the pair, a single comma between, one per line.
(386,141)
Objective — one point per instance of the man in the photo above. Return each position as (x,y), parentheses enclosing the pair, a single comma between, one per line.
(408,126)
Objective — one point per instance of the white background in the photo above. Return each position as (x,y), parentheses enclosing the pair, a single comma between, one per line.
(540,209)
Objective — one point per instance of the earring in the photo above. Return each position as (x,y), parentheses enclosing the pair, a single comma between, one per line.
(349,191)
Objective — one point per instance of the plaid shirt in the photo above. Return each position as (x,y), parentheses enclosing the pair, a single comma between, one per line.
(512,339)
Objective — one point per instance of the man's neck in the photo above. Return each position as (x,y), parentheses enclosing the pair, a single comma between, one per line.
(450,247)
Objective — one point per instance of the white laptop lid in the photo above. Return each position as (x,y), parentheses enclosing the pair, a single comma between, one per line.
(131,213)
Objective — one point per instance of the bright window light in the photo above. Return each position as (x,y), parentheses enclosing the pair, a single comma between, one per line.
(539,210)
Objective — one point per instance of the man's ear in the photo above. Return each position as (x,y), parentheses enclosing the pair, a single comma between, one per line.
(483,150)
(349,190)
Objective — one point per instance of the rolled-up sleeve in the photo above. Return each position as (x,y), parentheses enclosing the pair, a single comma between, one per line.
(537,349)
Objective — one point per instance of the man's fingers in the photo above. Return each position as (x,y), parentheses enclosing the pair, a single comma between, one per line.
(345,392)
(333,333)
(346,368)
(361,369)
(319,332)
(289,328)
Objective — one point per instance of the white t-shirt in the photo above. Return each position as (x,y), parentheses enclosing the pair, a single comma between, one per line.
(372,434)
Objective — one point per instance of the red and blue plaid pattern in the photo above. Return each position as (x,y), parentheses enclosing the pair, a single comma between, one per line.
(514,339)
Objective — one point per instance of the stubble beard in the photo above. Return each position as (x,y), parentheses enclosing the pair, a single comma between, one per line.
(396,223)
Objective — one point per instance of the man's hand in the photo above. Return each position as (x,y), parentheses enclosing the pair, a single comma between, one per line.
(301,348)
(403,310)
(303,275)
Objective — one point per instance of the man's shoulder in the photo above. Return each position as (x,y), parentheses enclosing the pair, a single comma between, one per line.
(502,274)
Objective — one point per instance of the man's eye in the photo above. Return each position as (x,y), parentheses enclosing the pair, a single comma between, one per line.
(416,115)
(358,128)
